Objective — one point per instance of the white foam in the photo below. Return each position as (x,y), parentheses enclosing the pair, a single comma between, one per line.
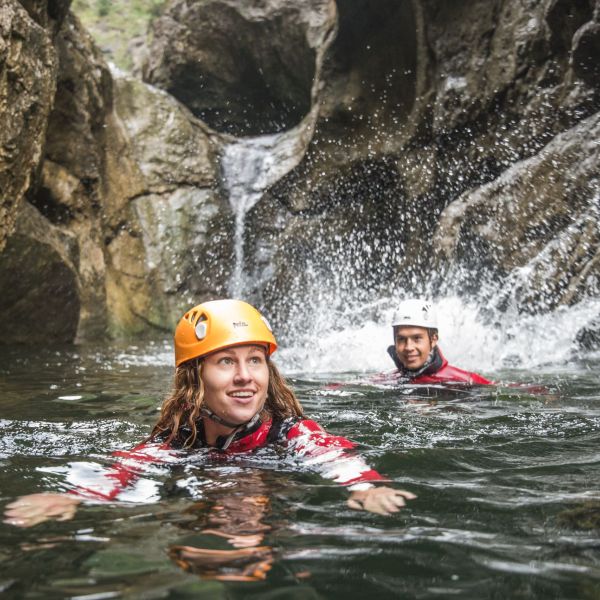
(469,338)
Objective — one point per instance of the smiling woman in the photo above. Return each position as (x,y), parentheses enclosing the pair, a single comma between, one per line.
(228,397)
(235,387)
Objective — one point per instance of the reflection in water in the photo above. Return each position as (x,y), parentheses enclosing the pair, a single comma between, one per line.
(228,546)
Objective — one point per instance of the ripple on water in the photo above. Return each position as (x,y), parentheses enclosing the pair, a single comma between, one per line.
(50,438)
(493,470)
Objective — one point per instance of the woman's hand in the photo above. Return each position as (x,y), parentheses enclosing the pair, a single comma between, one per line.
(380,500)
(30,510)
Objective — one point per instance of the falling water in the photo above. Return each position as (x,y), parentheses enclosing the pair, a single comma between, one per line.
(249,166)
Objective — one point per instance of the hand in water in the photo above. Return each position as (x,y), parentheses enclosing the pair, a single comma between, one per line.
(30,510)
(380,500)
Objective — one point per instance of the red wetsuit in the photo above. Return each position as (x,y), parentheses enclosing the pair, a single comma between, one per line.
(438,371)
(330,455)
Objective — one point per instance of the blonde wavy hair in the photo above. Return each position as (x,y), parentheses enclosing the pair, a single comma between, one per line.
(181,409)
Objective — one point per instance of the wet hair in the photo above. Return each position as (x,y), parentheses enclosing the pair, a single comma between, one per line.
(181,409)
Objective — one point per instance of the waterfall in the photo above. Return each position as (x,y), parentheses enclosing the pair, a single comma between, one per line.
(249,166)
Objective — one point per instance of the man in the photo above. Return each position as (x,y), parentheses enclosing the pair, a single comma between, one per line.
(416,352)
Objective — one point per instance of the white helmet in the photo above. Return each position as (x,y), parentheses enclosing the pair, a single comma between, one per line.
(415,312)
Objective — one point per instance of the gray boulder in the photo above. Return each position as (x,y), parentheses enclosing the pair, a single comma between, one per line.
(176,248)
(40,300)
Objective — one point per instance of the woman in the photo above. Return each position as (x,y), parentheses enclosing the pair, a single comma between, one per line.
(228,396)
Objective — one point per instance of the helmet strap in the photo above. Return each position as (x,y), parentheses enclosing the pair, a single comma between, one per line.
(206,412)
(237,427)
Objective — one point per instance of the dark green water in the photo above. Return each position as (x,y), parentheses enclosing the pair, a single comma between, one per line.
(507,479)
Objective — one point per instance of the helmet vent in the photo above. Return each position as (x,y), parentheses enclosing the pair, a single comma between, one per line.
(201,328)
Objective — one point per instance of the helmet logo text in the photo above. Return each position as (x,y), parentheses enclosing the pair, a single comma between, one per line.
(237,324)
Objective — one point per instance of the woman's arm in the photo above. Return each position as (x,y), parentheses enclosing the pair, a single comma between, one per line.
(129,466)
(32,509)
(333,457)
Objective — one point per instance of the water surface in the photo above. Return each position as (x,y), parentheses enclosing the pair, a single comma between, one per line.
(506,478)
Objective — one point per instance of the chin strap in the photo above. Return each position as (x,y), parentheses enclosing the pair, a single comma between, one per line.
(237,427)
(206,412)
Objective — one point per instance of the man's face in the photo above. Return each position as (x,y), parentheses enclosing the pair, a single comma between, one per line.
(413,346)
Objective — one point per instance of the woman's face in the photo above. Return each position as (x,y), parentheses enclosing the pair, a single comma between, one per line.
(235,382)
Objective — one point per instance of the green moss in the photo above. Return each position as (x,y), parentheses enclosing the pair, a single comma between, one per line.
(114,23)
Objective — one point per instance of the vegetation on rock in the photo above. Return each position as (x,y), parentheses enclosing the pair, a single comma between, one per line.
(116,24)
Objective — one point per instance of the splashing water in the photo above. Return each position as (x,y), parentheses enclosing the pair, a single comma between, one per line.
(501,324)
(333,325)
(356,338)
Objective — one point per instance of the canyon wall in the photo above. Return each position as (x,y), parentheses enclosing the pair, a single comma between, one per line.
(443,145)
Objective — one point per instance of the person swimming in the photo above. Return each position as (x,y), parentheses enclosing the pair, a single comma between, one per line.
(416,353)
(228,397)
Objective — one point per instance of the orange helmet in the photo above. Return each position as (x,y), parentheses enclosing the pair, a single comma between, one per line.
(220,324)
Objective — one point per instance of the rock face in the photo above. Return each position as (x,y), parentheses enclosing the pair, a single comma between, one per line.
(536,225)
(97,177)
(458,138)
(71,189)
(180,249)
(40,285)
(245,68)
(27,81)
(470,89)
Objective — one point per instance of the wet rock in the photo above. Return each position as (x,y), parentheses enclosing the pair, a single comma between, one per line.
(40,298)
(178,221)
(170,146)
(72,183)
(565,17)
(76,125)
(48,15)
(536,226)
(371,80)
(28,66)
(588,338)
(97,159)
(586,54)
(449,96)
(478,51)
(244,68)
